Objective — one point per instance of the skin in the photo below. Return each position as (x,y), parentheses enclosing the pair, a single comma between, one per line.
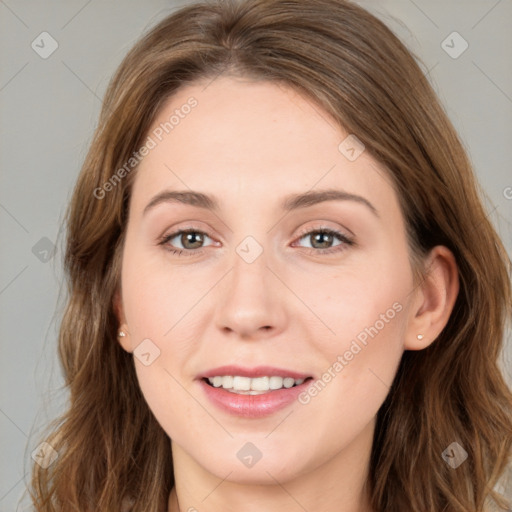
(250,144)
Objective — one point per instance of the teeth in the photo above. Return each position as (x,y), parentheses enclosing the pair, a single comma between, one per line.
(260,384)
(256,386)
(276,382)
(216,381)
(288,382)
(241,383)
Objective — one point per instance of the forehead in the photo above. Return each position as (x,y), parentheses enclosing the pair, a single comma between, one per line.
(250,140)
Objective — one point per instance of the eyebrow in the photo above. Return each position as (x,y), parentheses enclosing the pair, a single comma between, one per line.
(290,203)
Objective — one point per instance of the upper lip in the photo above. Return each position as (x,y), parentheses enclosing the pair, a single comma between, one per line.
(257,371)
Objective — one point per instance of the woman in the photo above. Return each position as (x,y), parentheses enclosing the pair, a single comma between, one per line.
(214,361)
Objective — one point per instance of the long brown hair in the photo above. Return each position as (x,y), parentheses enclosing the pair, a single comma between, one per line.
(111,450)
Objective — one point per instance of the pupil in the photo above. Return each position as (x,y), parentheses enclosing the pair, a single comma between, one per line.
(190,237)
(325,243)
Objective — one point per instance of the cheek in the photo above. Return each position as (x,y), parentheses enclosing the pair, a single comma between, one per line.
(363,312)
(360,365)
(362,299)
(168,401)
(158,293)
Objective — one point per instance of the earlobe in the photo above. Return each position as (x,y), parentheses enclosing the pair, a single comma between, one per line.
(123,336)
(436,296)
(124,340)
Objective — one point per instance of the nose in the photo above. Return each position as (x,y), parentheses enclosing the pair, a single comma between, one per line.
(251,300)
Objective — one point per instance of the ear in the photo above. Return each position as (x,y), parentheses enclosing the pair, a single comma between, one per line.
(434,299)
(117,302)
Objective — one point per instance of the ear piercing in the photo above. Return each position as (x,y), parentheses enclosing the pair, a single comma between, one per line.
(420,336)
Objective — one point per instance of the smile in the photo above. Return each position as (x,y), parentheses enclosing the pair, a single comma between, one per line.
(252,392)
(253,386)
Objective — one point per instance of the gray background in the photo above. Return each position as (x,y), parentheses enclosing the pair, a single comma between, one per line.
(49,111)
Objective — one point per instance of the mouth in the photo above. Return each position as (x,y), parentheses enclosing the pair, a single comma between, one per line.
(243,385)
(253,393)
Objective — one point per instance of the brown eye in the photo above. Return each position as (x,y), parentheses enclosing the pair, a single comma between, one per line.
(322,238)
(322,241)
(194,238)
(185,240)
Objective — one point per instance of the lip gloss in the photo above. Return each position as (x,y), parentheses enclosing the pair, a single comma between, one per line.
(252,406)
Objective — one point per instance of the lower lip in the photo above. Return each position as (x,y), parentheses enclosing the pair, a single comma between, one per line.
(253,406)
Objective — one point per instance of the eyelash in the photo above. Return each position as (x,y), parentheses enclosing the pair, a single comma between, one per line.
(347,241)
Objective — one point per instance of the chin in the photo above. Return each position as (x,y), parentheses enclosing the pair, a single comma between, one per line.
(266,466)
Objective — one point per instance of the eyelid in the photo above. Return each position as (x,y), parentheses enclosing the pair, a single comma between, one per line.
(345,240)
(179,231)
(322,226)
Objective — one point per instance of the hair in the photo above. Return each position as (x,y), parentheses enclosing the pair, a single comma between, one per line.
(354,68)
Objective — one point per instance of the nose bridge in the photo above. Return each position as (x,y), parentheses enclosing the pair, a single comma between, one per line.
(250,299)
(250,265)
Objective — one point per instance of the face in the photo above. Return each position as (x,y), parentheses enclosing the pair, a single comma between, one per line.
(271,286)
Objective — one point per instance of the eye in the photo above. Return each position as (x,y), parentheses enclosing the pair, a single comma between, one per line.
(321,241)
(190,239)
